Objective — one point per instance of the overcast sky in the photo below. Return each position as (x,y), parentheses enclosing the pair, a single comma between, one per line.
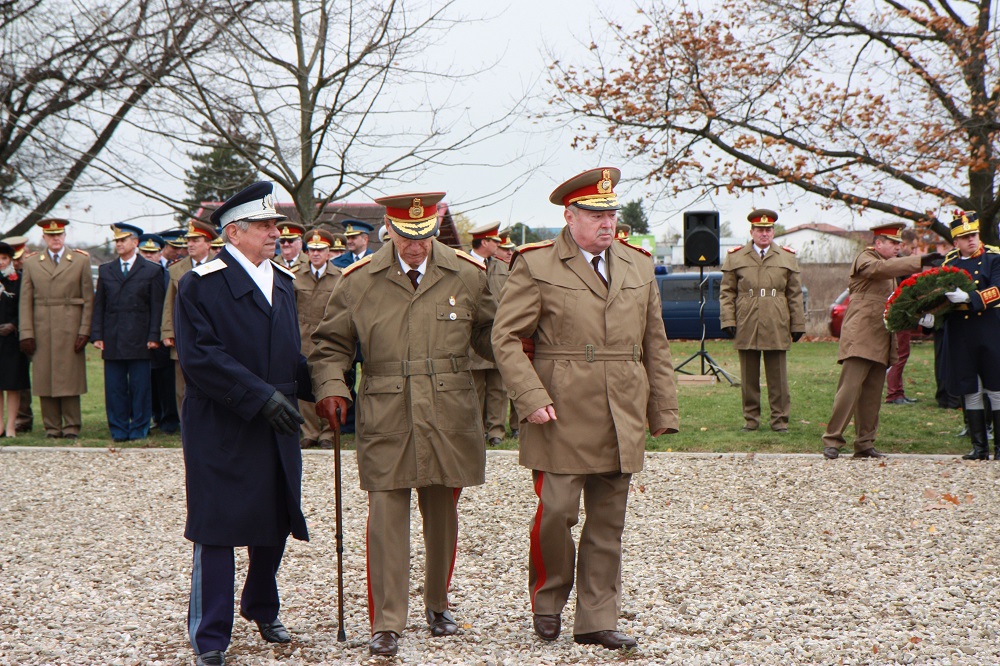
(513,44)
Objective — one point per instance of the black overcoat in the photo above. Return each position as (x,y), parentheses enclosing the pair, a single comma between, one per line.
(127,309)
(971,330)
(243,479)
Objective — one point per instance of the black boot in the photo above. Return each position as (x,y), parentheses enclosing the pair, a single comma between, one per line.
(977,430)
(996,431)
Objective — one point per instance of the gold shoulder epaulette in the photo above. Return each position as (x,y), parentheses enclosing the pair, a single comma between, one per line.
(281,268)
(83,252)
(635,247)
(461,254)
(528,247)
(736,249)
(992,249)
(787,249)
(357,264)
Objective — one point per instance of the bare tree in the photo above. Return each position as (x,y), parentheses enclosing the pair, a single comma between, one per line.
(333,96)
(70,73)
(886,105)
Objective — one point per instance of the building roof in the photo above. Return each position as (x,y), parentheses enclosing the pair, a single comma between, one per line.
(823,228)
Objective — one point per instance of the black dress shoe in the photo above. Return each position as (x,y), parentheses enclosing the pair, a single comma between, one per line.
(71,435)
(869,453)
(326,445)
(899,401)
(546,626)
(514,433)
(746,428)
(613,640)
(495,441)
(51,436)
(441,624)
(831,453)
(780,429)
(211,658)
(384,644)
(910,400)
(307,443)
(272,632)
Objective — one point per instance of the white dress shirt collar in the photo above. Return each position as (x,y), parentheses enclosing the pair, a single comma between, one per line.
(263,275)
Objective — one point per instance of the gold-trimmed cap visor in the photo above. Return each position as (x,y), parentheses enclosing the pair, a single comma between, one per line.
(413,216)
(964,223)
(590,190)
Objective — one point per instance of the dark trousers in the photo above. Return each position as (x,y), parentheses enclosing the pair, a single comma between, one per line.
(128,398)
(944,399)
(210,609)
(164,401)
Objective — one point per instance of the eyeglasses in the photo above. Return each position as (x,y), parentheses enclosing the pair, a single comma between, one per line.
(287,241)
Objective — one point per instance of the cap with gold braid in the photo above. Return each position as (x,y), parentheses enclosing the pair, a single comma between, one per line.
(151,243)
(53,226)
(218,241)
(890,230)
(486,231)
(762,217)
(120,231)
(319,239)
(17,243)
(623,230)
(197,228)
(291,230)
(590,190)
(413,216)
(356,227)
(964,223)
(339,243)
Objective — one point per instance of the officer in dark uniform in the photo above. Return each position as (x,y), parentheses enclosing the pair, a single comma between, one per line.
(128,303)
(356,232)
(970,332)
(237,337)
(165,416)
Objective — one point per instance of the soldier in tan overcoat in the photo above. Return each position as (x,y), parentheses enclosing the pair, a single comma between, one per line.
(602,370)
(489,384)
(867,349)
(199,238)
(496,275)
(415,306)
(57,301)
(761,309)
(314,283)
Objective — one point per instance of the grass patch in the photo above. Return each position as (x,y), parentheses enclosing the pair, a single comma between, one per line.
(711,416)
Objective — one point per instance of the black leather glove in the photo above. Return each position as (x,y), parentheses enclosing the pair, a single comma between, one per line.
(28,346)
(796,336)
(930,258)
(730,331)
(281,414)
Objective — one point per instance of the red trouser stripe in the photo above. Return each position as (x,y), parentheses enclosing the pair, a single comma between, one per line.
(536,543)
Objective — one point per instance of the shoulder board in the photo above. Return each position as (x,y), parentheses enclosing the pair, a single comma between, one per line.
(465,255)
(735,249)
(209,267)
(178,259)
(635,247)
(295,268)
(787,249)
(83,252)
(357,264)
(29,254)
(536,246)
(281,268)
(992,249)
(951,253)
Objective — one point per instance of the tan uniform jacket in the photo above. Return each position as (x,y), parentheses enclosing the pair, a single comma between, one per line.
(414,429)
(177,270)
(311,297)
(496,275)
(56,305)
(863,333)
(602,406)
(762,298)
(478,362)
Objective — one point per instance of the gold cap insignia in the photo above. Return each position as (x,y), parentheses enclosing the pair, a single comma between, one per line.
(53,225)
(190,227)
(605,185)
(764,219)
(417,209)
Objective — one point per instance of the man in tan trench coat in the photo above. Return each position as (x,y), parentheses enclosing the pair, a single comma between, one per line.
(761,309)
(602,370)
(415,306)
(57,301)
(199,238)
(867,349)
(315,280)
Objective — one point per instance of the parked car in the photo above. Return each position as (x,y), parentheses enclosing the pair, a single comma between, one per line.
(837,310)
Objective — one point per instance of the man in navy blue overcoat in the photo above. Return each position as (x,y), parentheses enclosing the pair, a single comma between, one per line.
(126,328)
(238,344)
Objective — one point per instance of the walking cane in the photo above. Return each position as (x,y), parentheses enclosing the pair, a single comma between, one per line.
(341,635)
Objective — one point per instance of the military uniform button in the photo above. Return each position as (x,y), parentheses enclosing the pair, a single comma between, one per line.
(453,316)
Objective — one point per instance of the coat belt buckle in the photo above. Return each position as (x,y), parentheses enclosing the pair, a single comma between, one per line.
(635,352)
(588,352)
(763,293)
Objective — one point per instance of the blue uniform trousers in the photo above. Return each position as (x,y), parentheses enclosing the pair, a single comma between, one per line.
(165,400)
(210,610)
(128,398)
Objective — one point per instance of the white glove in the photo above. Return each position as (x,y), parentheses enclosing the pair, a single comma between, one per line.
(927,321)
(958,296)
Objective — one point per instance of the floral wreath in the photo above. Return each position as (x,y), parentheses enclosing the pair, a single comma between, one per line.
(924,293)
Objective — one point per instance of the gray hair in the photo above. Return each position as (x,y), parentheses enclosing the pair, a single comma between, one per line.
(242,225)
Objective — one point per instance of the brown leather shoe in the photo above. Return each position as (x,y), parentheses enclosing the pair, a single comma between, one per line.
(869,453)
(307,443)
(831,453)
(384,644)
(547,626)
(613,640)
(441,624)
(747,428)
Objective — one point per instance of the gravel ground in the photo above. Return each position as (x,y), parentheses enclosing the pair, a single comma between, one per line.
(728,560)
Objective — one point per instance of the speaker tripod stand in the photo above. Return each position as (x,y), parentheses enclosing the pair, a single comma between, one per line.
(708,364)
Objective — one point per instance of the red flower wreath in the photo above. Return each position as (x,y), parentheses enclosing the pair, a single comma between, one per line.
(924,293)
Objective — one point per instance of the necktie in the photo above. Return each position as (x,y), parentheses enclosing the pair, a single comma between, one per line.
(55,259)
(413,274)
(316,273)
(357,257)
(762,254)
(124,268)
(596,261)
